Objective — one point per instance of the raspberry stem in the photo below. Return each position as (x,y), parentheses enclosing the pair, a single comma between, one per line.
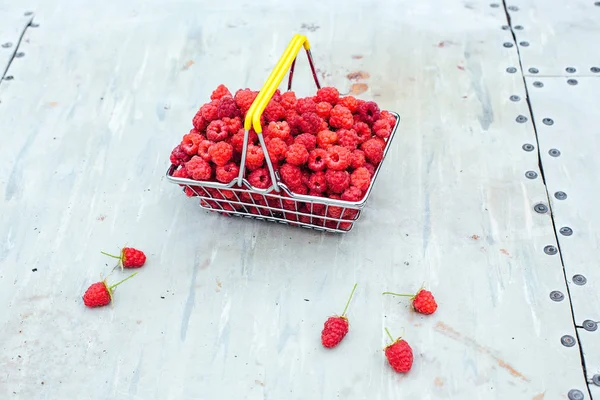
(110,255)
(118,283)
(399,294)
(350,298)
(389,334)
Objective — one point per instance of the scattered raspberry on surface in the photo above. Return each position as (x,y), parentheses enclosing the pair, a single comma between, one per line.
(337,181)
(228,172)
(361,178)
(260,178)
(277,150)
(307,140)
(132,258)
(220,153)
(424,302)
(348,138)
(97,295)
(317,182)
(352,194)
(291,175)
(334,330)
(317,160)
(279,130)
(179,156)
(203,149)
(339,158)
(181,173)
(305,105)
(368,112)
(199,122)
(326,139)
(382,128)
(274,112)
(255,157)
(189,143)
(358,159)
(349,102)
(233,124)
(288,100)
(296,154)
(363,131)
(309,123)
(210,111)
(199,169)
(329,95)
(373,149)
(219,92)
(399,355)
(324,110)
(341,117)
(370,167)
(217,131)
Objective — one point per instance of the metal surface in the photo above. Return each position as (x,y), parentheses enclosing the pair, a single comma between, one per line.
(13,23)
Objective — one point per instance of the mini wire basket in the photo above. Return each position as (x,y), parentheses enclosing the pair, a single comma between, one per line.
(278,203)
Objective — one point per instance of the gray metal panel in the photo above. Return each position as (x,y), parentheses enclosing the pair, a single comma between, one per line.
(591,351)
(13,21)
(230,308)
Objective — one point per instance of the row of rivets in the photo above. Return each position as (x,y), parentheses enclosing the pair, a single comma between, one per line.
(570,70)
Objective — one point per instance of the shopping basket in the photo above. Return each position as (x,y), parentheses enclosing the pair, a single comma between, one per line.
(278,203)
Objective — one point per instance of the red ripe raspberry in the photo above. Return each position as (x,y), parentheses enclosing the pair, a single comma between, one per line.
(288,100)
(370,167)
(324,109)
(348,138)
(274,112)
(361,178)
(424,302)
(217,131)
(317,182)
(300,189)
(307,140)
(296,154)
(260,178)
(349,102)
(291,175)
(329,95)
(326,139)
(341,117)
(198,169)
(337,181)
(227,108)
(305,105)
(352,194)
(203,149)
(178,156)
(382,128)
(334,211)
(373,149)
(368,112)
(237,140)
(317,160)
(279,130)
(181,173)
(199,122)
(277,96)
(389,116)
(97,295)
(399,355)
(339,158)
(306,177)
(189,143)
(358,159)
(255,157)
(219,92)
(210,111)
(363,131)
(277,150)
(334,330)
(132,258)
(233,124)
(228,172)
(220,153)
(309,123)
(244,99)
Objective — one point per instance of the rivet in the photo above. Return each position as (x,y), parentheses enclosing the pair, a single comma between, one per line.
(575,394)
(505,27)
(514,97)
(531,174)
(19,54)
(538,84)
(28,13)
(540,208)
(554,152)
(533,70)
(507,44)
(590,325)
(34,25)
(550,250)
(494,5)
(572,82)
(9,78)
(519,27)
(528,147)
(579,280)
(511,70)
(596,379)
(560,195)
(524,44)
(513,8)
(570,70)
(548,121)
(567,341)
(566,231)
(521,119)
(7,45)
(555,295)
(597,3)
(595,69)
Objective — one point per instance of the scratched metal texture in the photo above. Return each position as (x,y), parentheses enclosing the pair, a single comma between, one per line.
(232,309)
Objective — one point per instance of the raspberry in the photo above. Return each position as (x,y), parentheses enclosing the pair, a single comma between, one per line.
(217,131)
(307,140)
(352,194)
(399,355)
(203,149)
(254,157)
(334,211)
(274,112)
(370,167)
(326,139)
(237,140)
(317,160)
(260,178)
(358,159)
(305,105)
(368,112)
(199,122)
(373,149)
(288,100)
(361,178)
(220,153)
(244,99)
(132,258)
(277,149)
(97,295)
(181,173)
(349,102)
(363,131)
(227,108)
(233,124)
(317,182)
(306,177)
(300,189)
(277,96)
(341,117)
(219,92)
(389,117)
(424,302)
(339,158)
(382,128)
(335,328)
(279,130)
(291,175)
(210,111)
(337,181)
(198,169)
(296,154)
(309,123)
(189,143)
(329,95)
(292,118)
(179,156)
(228,172)
(348,138)
(324,109)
